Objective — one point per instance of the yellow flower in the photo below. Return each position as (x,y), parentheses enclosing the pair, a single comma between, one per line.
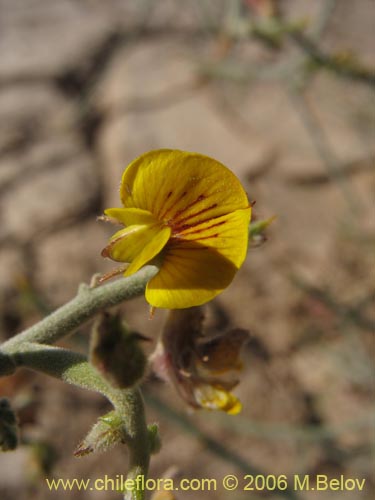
(215,398)
(193,213)
(203,369)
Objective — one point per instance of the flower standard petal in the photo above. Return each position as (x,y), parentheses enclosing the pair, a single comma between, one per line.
(226,234)
(181,188)
(195,270)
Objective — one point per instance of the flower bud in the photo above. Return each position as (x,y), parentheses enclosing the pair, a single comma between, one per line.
(154,438)
(116,353)
(104,435)
(257,231)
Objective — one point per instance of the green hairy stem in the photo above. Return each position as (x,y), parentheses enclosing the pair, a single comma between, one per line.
(32,349)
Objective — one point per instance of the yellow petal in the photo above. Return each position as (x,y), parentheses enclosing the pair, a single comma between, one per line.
(131,216)
(228,235)
(234,406)
(181,188)
(127,244)
(213,398)
(150,250)
(194,271)
(190,276)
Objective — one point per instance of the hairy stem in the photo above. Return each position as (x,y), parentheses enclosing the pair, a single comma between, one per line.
(73,368)
(31,349)
(84,306)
